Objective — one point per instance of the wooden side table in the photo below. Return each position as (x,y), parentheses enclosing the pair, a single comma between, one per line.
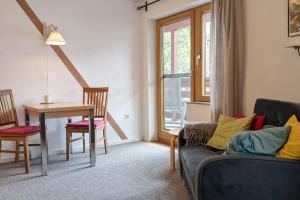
(173,136)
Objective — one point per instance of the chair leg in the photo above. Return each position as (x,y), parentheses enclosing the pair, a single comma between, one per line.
(105,140)
(95,143)
(68,138)
(17,154)
(83,142)
(26,156)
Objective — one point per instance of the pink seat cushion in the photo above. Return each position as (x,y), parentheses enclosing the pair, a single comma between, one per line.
(85,123)
(20,130)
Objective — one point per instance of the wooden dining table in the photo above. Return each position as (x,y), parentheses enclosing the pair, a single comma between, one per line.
(61,110)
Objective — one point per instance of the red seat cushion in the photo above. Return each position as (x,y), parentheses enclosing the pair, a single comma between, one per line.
(85,123)
(20,130)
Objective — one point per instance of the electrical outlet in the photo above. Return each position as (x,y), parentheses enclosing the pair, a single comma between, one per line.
(127,116)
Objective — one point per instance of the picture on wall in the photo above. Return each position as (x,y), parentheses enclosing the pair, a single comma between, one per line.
(294,17)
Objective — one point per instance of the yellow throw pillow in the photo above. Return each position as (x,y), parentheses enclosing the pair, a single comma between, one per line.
(227,128)
(291,149)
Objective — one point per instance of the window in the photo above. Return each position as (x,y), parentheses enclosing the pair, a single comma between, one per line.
(206,53)
(202,53)
(183,42)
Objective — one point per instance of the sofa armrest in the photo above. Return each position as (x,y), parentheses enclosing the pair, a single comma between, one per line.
(196,133)
(247,177)
(181,140)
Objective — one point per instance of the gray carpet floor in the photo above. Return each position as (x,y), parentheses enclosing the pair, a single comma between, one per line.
(130,171)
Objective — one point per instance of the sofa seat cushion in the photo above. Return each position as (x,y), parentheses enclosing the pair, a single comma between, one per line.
(20,130)
(85,123)
(191,157)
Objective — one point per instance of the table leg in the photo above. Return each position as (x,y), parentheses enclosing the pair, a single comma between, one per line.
(92,139)
(172,153)
(71,146)
(27,123)
(44,147)
(27,118)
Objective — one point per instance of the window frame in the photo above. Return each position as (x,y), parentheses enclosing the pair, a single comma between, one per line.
(198,70)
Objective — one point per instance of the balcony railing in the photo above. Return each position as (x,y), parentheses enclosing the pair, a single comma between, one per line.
(177,91)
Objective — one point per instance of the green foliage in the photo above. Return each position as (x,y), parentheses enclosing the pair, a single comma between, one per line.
(167,52)
(183,53)
(184,50)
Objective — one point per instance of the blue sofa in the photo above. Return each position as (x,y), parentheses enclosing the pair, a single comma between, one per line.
(209,175)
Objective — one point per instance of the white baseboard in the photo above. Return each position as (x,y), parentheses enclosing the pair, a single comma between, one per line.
(52,152)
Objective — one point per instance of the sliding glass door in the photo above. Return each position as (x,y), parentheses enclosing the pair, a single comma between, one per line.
(177,71)
(183,66)
(175,60)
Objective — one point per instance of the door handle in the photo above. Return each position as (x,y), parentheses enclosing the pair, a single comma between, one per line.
(198,59)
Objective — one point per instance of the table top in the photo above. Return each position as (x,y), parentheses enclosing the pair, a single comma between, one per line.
(58,107)
(174,132)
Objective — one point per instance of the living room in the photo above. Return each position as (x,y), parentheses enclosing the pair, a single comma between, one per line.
(151,68)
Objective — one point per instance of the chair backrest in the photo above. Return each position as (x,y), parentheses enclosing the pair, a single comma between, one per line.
(98,98)
(8,114)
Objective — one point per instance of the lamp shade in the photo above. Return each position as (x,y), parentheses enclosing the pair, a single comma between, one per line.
(55,38)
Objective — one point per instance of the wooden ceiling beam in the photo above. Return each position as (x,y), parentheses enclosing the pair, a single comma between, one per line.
(32,16)
(67,62)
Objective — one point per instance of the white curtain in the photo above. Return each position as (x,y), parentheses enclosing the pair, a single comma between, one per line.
(227,57)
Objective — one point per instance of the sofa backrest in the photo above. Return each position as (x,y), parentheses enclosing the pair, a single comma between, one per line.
(277,112)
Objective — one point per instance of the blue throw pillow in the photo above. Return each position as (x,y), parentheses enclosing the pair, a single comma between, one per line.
(264,142)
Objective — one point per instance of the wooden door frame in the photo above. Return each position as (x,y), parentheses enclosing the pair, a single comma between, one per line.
(189,14)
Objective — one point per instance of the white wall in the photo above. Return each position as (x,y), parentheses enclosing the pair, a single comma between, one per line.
(197,112)
(272,70)
(103,42)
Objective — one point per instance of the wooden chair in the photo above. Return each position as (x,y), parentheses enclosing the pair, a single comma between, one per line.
(98,98)
(16,133)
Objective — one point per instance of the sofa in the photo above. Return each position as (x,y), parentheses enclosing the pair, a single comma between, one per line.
(209,175)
